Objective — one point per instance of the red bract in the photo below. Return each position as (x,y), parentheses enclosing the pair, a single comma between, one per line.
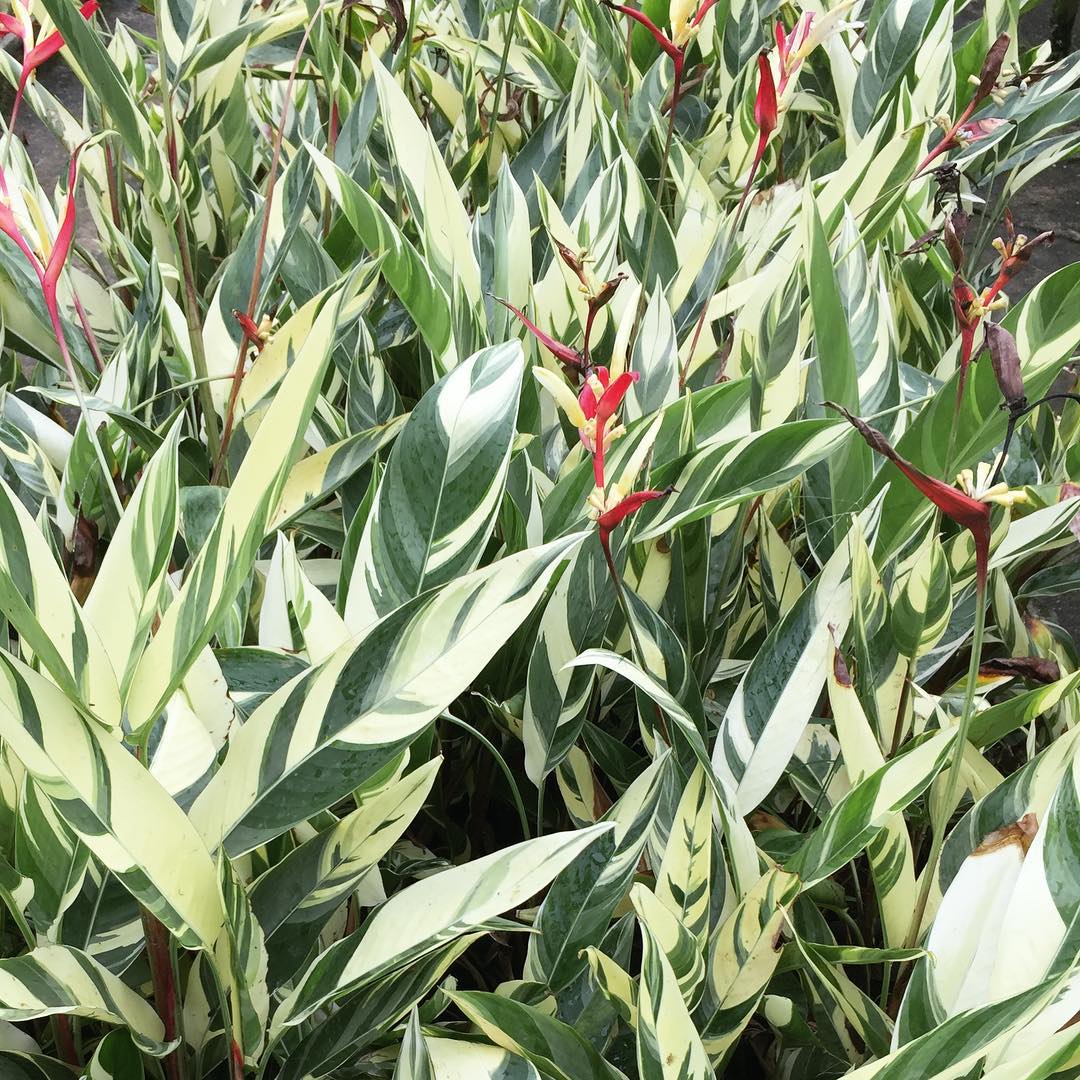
(563,353)
(613,518)
(661,39)
(963,296)
(765,116)
(602,411)
(964,510)
(48,274)
(788,46)
(37,54)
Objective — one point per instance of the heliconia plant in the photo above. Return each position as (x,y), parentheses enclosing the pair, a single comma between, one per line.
(534,544)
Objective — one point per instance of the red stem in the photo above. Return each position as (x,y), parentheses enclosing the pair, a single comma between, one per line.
(260,251)
(947,142)
(166,997)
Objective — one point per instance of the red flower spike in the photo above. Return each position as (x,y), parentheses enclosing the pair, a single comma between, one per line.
(249,329)
(702,11)
(613,518)
(44,50)
(661,39)
(563,353)
(953,503)
(606,408)
(587,398)
(963,296)
(765,110)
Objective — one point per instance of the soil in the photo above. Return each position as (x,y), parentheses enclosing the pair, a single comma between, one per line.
(1050,201)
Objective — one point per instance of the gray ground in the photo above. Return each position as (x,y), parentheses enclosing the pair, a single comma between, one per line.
(1051,201)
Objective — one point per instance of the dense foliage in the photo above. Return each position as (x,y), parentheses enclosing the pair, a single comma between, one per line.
(509,566)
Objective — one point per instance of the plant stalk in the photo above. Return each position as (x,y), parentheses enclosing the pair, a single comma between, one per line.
(166,994)
(191,296)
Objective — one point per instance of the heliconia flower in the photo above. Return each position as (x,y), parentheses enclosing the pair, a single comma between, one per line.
(970,513)
(968,312)
(48,272)
(35,55)
(788,47)
(611,519)
(592,410)
(1015,251)
(563,353)
(258,334)
(974,130)
(986,84)
(765,116)
(1005,359)
(606,408)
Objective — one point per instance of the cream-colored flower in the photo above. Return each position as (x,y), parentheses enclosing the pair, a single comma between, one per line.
(680,19)
(977,485)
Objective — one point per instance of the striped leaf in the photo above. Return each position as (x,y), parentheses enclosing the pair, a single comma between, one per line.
(116,1057)
(456,1060)
(668,1044)
(124,599)
(345,719)
(414,1061)
(224,562)
(555,1048)
(112,804)
(38,602)
(741,960)
(854,821)
(440,494)
(776,696)
(582,899)
(405,270)
(682,882)
(419,919)
(733,472)
(54,980)
(294,899)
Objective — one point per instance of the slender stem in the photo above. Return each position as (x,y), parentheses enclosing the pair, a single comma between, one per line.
(88,333)
(946,143)
(260,251)
(501,762)
(166,995)
(1014,420)
(65,1041)
(406,56)
(540,806)
(511,25)
(191,296)
(952,783)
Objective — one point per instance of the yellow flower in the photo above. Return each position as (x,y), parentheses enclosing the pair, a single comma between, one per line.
(977,485)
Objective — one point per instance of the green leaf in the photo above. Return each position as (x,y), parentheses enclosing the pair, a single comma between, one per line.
(441,490)
(342,721)
(55,980)
(113,804)
(421,918)
(555,1048)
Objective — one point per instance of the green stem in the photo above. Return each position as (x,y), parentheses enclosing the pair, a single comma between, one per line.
(191,298)
(501,762)
(952,783)
(406,55)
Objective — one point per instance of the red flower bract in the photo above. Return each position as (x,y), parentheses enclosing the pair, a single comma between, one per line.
(606,408)
(613,518)
(964,510)
(563,353)
(34,57)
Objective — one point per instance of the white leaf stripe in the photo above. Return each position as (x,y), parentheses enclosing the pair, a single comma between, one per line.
(114,805)
(340,722)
